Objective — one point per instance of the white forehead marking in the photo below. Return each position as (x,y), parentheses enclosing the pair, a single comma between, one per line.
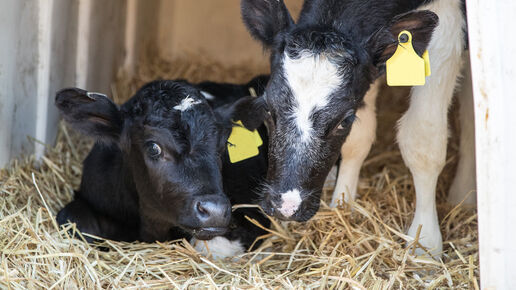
(186,104)
(312,78)
(208,96)
(290,202)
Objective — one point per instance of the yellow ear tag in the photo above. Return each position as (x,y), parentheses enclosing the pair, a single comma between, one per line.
(242,143)
(426,58)
(405,67)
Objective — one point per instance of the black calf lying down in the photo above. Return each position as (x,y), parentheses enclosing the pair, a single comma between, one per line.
(160,168)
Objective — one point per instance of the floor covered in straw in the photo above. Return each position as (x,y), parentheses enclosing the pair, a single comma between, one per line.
(359,246)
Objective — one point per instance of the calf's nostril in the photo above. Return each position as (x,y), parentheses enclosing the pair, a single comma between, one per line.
(202,209)
(212,211)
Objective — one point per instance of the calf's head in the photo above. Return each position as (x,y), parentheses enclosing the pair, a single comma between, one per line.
(171,142)
(320,72)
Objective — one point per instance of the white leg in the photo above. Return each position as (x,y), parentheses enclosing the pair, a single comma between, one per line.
(423,130)
(356,148)
(464,184)
(218,247)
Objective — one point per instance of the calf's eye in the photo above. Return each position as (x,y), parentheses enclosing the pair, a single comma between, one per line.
(153,149)
(348,121)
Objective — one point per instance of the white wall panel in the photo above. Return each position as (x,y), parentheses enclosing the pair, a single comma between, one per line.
(47,45)
(493,61)
(18,76)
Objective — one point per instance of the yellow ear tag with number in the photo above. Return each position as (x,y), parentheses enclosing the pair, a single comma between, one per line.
(405,67)
(242,143)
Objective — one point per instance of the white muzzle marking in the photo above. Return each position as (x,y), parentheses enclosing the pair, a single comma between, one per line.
(290,202)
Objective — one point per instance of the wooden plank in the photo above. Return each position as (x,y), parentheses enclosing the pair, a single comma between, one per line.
(43,74)
(83,43)
(18,77)
(38,40)
(493,58)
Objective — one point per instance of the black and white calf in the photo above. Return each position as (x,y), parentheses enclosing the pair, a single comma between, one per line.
(324,75)
(156,171)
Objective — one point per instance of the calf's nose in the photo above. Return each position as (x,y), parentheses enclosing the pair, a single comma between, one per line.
(213,211)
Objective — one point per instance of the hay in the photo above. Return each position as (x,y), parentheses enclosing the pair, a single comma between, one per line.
(359,246)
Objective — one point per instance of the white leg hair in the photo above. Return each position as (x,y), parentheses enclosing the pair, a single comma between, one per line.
(218,247)
(464,184)
(356,148)
(423,129)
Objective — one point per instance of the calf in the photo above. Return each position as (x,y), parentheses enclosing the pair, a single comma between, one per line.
(324,72)
(156,171)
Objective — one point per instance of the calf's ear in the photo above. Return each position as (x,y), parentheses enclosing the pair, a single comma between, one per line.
(421,24)
(265,19)
(250,110)
(93,114)
(258,84)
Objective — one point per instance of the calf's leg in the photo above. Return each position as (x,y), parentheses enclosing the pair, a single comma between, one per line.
(423,130)
(463,187)
(355,149)
(92,222)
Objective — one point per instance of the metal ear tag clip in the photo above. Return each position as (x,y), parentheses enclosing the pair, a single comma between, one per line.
(406,67)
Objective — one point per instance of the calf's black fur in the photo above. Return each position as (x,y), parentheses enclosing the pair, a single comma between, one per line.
(159,170)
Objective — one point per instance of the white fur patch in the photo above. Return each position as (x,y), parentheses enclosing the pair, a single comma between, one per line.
(218,247)
(208,96)
(186,104)
(312,78)
(290,202)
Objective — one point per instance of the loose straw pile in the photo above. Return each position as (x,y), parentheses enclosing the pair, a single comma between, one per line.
(361,245)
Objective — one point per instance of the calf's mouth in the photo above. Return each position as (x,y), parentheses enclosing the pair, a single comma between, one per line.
(206,233)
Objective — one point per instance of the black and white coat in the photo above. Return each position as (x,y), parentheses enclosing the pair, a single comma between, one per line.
(321,99)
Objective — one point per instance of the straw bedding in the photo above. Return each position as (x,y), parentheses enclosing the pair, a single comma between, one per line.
(358,246)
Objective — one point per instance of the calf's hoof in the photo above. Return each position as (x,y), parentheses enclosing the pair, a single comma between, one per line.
(429,241)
